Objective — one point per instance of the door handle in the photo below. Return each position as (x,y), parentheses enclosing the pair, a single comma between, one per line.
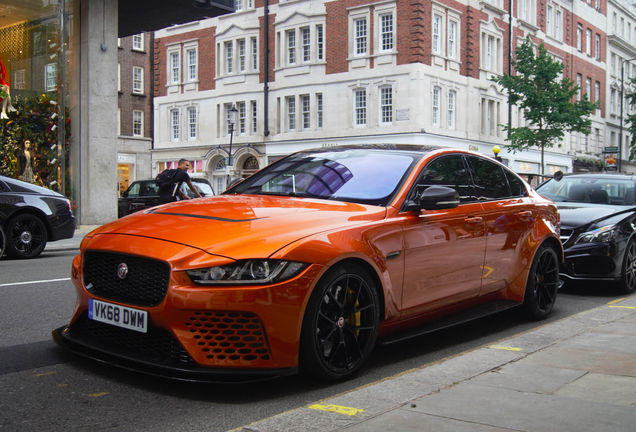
(474,220)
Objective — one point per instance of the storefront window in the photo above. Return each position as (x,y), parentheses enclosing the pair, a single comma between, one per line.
(36,64)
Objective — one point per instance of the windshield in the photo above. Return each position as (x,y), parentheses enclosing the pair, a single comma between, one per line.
(589,189)
(352,175)
(204,189)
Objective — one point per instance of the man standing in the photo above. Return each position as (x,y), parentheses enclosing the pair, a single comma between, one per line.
(168,193)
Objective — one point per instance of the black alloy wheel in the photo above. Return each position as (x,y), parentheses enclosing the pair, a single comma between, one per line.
(25,236)
(341,324)
(543,283)
(627,283)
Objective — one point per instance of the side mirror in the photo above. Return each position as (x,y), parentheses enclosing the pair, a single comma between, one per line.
(124,194)
(558,176)
(436,198)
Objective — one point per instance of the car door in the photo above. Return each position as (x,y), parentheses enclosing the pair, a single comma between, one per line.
(509,217)
(444,249)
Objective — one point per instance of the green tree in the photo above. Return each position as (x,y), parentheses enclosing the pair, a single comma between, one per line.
(545,99)
(631,118)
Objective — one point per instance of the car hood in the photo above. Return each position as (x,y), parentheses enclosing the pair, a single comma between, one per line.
(574,215)
(241,226)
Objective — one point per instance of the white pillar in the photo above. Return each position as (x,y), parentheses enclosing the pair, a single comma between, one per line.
(94,163)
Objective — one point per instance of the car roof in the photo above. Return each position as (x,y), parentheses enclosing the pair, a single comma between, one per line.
(194,179)
(601,175)
(29,186)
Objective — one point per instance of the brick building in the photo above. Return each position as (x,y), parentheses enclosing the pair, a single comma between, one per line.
(135,115)
(325,73)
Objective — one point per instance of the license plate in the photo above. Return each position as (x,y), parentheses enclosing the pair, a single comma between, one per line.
(120,316)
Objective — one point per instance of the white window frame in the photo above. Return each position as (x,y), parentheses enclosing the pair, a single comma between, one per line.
(436,105)
(138,123)
(241,51)
(548,20)
(174,61)
(558,19)
(254,53)
(192,123)
(228,51)
(192,66)
(360,107)
(138,80)
(290,47)
(588,42)
(597,54)
(138,42)
(588,88)
(579,36)
(597,91)
(175,125)
(361,36)
(386,105)
(254,113)
(320,42)
(242,118)
(319,110)
(305,106)
(387,31)
(453,27)
(452,108)
(437,33)
(290,110)
(579,83)
(305,35)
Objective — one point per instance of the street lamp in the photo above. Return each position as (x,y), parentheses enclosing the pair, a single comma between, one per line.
(620,133)
(231,120)
(496,149)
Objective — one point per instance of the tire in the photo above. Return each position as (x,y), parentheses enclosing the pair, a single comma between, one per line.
(627,284)
(340,326)
(543,284)
(25,236)
(3,242)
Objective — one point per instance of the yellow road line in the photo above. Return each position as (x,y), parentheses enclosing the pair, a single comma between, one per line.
(337,409)
(505,348)
(98,394)
(616,301)
(45,374)
(624,307)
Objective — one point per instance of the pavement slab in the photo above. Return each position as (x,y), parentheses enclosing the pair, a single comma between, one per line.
(603,362)
(524,411)
(611,389)
(403,420)
(534,379)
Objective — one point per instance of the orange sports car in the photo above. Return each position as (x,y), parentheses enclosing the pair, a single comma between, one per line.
(305,264)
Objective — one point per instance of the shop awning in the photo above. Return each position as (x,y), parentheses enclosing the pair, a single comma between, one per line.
(136,16)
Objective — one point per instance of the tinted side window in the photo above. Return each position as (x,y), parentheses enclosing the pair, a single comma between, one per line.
(517,188)
(489,177)
(133,192)
(148,189)
(448,171)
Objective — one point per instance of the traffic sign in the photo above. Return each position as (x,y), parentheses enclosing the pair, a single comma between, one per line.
(610,150)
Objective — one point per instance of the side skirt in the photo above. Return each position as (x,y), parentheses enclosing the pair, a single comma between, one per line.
(458,318)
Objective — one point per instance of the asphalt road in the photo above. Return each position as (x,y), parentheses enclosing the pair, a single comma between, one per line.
(44,388)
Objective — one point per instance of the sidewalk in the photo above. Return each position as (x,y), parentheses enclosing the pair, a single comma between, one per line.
(577,374)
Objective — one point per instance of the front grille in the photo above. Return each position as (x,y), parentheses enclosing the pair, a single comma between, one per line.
(229,335)
(145,284)
(156,342)
(591,265)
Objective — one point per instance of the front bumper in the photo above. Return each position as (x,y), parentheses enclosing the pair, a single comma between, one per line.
(146,363)
(593,262)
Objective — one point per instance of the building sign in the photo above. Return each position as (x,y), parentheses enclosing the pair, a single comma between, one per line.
(610,150)
(402,114)
(551,169)
(526,167)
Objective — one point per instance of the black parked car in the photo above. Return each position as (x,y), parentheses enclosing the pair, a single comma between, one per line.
(598,226)
(143,194)
(31,216)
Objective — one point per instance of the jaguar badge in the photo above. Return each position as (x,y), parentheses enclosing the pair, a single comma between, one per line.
(122,271)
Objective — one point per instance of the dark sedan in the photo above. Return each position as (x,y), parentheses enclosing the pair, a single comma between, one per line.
(598,224)
(31,216)
(144,194)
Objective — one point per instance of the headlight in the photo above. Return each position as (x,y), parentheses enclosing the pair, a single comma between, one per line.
(600,235)
(248,272)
